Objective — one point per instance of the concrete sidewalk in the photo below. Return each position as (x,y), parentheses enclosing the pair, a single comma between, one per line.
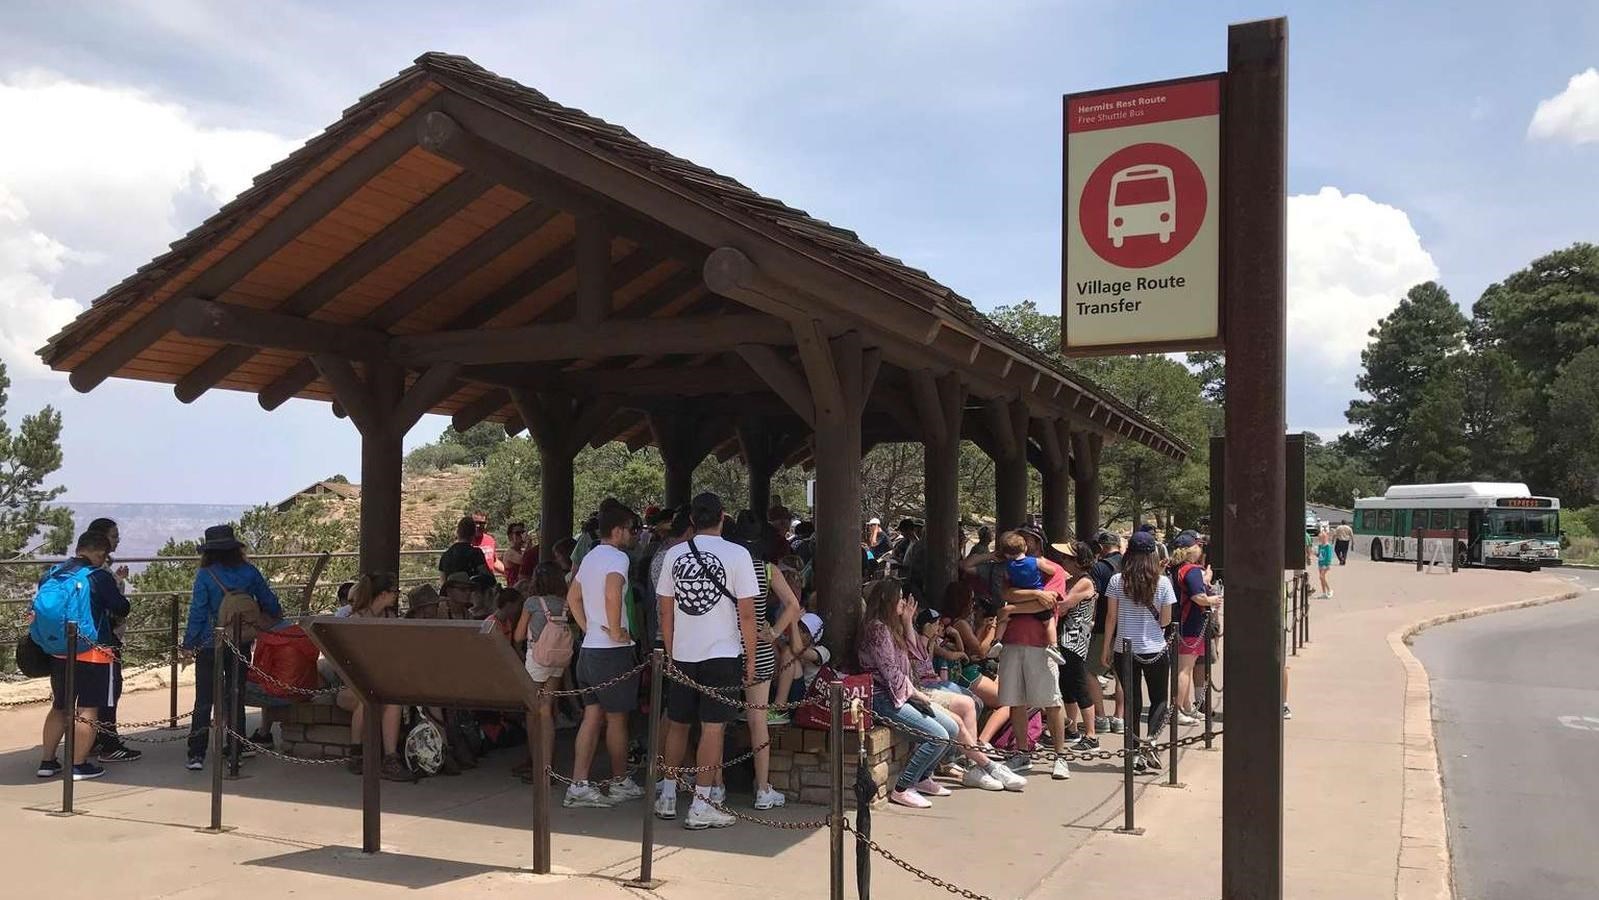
(1363,805)
(296,825)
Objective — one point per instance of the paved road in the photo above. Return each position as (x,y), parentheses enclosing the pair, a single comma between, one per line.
(1516,707)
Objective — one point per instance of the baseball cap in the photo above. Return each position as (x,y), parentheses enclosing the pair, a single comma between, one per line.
(1141,542)
(813,624)
(1106,539)
(1147,528)
(1186,539)
(926,617)
(874,521)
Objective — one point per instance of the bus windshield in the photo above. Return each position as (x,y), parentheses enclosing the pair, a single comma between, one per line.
(1135,191)
(1526,523)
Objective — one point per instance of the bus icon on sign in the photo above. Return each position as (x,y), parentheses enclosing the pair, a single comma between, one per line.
(1143,201)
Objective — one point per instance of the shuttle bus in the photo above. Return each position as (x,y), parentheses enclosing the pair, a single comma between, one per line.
(1497,525)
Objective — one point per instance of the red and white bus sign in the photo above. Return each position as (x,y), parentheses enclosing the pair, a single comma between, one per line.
(1142,244)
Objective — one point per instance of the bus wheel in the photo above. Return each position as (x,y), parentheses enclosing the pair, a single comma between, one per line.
(1376,551)
(1462,559)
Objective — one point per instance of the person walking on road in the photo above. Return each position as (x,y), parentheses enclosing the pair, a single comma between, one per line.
(1342,538)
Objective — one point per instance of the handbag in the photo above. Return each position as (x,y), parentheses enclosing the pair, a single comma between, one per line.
(816,714)
(32,661)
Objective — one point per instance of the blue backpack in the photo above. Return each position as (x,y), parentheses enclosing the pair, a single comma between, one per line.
(63,597)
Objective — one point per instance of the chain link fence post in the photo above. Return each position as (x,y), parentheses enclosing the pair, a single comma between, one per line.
(234,656)
(835,748)
(652,744)
(1210,686)
(172,652)
(1129,739)
(1171,706)
(537,723)
(70,711)
(219,698)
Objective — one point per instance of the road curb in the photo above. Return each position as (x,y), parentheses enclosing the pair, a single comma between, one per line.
(1425,867)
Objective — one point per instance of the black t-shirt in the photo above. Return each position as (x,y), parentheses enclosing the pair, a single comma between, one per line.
(1101,572)
(463,557)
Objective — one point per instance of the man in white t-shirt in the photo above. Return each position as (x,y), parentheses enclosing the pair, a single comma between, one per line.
(706,595)
(595,602)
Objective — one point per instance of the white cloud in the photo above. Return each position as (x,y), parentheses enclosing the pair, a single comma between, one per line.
(1350,259)
(1571,115)
(94,181)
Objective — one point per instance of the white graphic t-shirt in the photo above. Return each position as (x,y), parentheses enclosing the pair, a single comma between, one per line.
(706,622)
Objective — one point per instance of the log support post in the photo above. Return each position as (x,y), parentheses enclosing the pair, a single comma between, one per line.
(765,444)
(560,424)
(1054,442)
(1086,448)
(383,409)
(1007,445)
(685,439)
(940,402)
(828,389)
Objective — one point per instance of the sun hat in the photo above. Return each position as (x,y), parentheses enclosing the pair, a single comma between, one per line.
(1065,549)
(220,537)
(458,579)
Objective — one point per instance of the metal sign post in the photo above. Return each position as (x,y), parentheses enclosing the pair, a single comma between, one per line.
(1254,266)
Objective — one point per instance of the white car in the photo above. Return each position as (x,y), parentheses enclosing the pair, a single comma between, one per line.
(1143,200)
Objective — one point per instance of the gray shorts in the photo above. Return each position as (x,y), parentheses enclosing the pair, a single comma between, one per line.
(1028,677)
(597,665)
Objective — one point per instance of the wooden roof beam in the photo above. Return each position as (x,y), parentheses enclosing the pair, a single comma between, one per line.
(446,138)
(305,210)
(498,239)
(475,411)
(572,340)
(411,226)
(256,329)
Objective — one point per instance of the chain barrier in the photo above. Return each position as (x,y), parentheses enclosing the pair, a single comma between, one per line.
(803,825)
(126,674)
(597,785)
(104,729)
(695,770)
(268,751)
(724,694)
(928,877)
(609,682)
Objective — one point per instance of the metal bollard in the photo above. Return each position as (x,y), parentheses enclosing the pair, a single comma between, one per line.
(218,717)
(1171,715)
(1291,615)
(1210,687)
(835,747)
(172,651)
(1420,556)
(1454,550)
(1129,741)
(70,701)
(1304,615)
(541,782)
(235,663)
(652,743)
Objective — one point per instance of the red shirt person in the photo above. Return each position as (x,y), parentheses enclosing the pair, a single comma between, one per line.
(485,542)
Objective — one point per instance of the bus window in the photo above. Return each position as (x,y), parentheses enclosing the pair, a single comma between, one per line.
(1418,519)
(1440,520)
(1360,520)
(1385,521)
(1459,518)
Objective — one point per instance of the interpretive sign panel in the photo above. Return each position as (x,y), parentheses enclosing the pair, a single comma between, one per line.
(1141,245)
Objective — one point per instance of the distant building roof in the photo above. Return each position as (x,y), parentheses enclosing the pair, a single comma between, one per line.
(341,490)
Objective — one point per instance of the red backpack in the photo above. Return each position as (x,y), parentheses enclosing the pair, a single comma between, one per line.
(289,656)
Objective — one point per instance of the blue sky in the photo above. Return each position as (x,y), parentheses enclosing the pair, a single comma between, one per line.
(931,128)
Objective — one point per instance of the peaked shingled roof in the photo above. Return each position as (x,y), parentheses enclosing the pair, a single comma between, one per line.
(841,245)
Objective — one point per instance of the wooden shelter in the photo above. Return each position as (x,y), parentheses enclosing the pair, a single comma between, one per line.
(457,243)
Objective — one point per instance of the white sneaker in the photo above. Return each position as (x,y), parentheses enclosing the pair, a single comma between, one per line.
(625,790)
(1186,719)
(1007,779)
(1021,763)
(769,798)
(583,795)
(927,787)
(702,815)
(909,798)
(977,778)
(1062,771)
(666,805)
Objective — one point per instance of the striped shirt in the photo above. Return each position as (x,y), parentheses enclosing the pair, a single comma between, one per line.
(1134,621)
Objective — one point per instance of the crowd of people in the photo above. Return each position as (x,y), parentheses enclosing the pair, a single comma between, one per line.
(1016,655)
